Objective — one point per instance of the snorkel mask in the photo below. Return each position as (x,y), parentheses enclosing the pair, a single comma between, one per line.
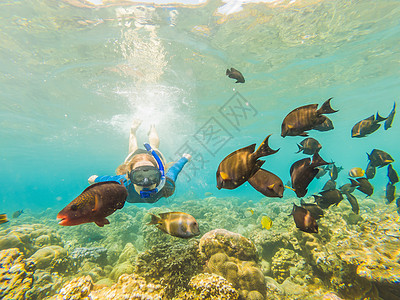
(147,176)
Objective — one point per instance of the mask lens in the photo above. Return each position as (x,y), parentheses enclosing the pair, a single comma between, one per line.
(145,176)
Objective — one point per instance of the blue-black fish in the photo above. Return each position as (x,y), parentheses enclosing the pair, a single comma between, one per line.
(235,74)
(309,146)
(367,126)
(392,174)
(236,168)
(379,158)
(305,118)
(303,171)
(304,220)
(390,192)
(389,119)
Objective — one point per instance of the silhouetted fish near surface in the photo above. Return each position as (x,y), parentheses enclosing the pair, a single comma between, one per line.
(363,185)
(3,218)
(379,158)
(392,174)
(326,125)
(302,172)
(304,220)
(240,165)
(390,192)
(305,118)
(177,224)
(328,198)
(17,213)
(353,202)
(94,204)
(389,119)
(329,185)
(370,171)
(235,74)
(366,126)
(314,209)
(267,183)
(309,146)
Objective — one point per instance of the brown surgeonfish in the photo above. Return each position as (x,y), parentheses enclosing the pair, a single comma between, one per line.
(363,185)
(235,74)
(370,171)
(3,218)
(379,158)
(329,185)
(267,184)
(353,202)
(304,220)
(302,172)
(390,192)
(328,198)
(240,165)
(333,172)
(389,119)
(94,204)
(177,224)
(392,174)
(326,125)
(314,209)
(366,126)
(309,146)
(305,118)
(347,188)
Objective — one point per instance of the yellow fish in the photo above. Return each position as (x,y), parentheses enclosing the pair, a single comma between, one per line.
(356,172)
(250,210)
(3,218)
(266,222)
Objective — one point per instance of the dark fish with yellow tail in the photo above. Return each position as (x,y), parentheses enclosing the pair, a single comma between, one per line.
(240,165)
(177,224)
(302,172)
(392,174)
(366,126)
(389,120)
(17,213)
(3,218)
(235,74)
(353,202)
(333,172)
(379,158)
(326,125)
(304,220)
(309,146)
(314,209)
(305,118)
(94,204)
(390,192)
(363,185)
(328,198)
(370,171)
(267,184)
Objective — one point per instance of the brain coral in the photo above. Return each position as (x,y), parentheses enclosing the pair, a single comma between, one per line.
(230,243)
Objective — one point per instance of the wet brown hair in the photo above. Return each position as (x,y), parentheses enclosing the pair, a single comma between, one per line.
(126,167)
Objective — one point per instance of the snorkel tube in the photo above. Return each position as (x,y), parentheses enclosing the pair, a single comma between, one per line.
(147,193)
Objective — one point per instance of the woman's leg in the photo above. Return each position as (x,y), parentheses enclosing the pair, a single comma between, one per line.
(154,140)
(133,145)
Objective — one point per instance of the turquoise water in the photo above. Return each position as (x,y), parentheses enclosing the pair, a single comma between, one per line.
(74,74)
(73,78)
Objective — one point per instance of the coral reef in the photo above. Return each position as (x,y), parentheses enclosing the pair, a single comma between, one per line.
(209,286)
(231,243)
(170,264)
(92,254)
(16,275)
(53,258)
(283,260)
(128,287)
(28,238)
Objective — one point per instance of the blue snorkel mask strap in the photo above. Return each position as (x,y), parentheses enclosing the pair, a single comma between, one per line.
(148,193)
